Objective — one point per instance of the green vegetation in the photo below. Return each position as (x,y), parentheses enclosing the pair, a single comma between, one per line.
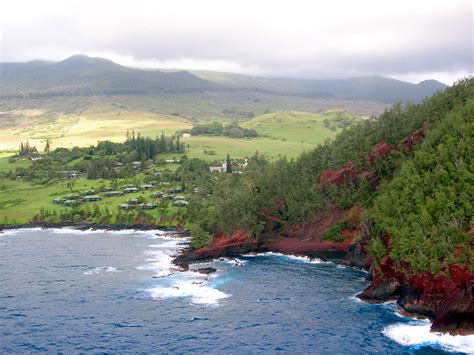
(427,208)
(334,233)
(218,129)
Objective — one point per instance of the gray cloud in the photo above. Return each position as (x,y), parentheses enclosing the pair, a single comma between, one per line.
(406,39)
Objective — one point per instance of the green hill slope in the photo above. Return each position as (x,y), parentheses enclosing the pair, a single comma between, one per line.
(304,127)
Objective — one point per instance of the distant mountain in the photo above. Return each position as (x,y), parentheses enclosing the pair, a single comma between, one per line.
(376,88)
(82,75)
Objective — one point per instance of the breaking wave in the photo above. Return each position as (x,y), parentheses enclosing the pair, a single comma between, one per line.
(417,334)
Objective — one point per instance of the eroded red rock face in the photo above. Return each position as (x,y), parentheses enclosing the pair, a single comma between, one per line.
(370,176)
(345,174)
(416,138)
(447,298)
(307,237)
(221,242)
(380,151)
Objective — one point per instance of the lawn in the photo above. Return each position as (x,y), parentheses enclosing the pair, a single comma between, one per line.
(211,148)
(5,165)
(23,200)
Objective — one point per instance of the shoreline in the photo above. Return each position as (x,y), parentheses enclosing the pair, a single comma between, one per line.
(188,256)
(94,226)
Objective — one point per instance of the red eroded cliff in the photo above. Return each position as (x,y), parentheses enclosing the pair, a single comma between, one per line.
(446,298)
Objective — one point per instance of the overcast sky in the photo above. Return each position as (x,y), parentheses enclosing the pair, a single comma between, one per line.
(409,40)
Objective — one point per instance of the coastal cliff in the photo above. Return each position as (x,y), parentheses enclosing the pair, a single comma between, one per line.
(393,196)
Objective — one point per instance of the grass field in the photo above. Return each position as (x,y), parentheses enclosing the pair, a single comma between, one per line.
(5,165)
(241,147)
(284,134)
(97,122)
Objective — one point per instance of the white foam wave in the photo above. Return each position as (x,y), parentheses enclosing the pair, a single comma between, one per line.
(304,259)
(234,262)
(172,243)
(198,290)
(100,269)
(6,232)
(418,334)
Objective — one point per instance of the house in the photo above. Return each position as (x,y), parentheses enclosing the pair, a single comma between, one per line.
(58,201)
(186,135)
(158,173)
(113,193)
(124,206)
(180,198)
(36,158)
(157,194)
(89,192)
(71,203)
(73,197)
(171,161)
(218,168)
(67,174)
(132,201)
(180,203)
(129,185)
(91,198)
(243,166)
(168,197)
(175,190)
(146,187)
(149,206)
(129,190)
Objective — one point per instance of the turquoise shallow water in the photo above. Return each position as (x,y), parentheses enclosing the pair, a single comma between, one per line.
(69,291)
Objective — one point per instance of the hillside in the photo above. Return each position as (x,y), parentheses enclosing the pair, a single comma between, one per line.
(394,193)
(301,127)
(82,75)
(376,88)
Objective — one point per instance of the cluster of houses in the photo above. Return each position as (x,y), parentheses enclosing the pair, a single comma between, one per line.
(223,167)
(74,199)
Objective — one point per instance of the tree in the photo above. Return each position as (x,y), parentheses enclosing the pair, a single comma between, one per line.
(47,147)
(228,168)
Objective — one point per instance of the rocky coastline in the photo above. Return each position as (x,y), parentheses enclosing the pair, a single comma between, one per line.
(446,300)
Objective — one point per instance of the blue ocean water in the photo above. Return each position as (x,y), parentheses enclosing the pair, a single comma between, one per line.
(64,290)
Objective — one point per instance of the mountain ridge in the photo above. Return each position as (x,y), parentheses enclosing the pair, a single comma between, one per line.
(84,75)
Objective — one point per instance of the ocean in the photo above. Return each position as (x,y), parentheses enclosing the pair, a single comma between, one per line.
(70,291)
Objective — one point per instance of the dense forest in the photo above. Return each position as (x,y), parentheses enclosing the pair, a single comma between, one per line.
(424,201)
(218,129)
